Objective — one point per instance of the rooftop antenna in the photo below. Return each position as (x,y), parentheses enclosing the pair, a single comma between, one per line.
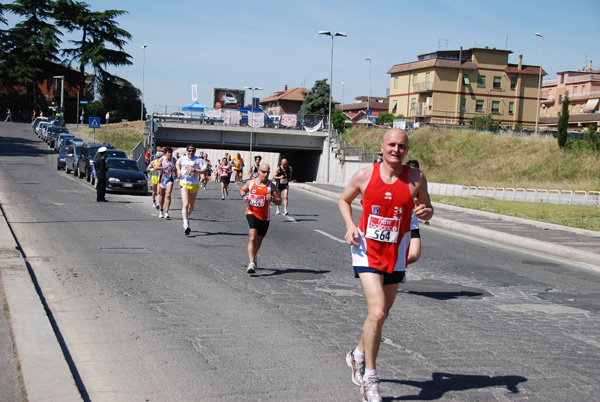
(507,22)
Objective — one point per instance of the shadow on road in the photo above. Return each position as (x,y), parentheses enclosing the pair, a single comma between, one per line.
(445,382)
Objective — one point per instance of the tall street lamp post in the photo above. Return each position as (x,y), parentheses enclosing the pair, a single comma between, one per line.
(537,111)
(369,94)
(342,96)
(62,94)
(330,89)
(143,74)
(249,122)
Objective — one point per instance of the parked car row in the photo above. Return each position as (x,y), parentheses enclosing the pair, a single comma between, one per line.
(77,156)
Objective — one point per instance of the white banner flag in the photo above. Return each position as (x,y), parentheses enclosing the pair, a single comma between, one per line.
(194,92)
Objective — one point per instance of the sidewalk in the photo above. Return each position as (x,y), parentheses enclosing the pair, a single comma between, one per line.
(560,241)
(33,347)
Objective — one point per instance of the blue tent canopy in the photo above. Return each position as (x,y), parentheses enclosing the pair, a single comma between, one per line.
(196,107)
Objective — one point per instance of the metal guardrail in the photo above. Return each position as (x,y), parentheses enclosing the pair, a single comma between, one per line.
(568,197)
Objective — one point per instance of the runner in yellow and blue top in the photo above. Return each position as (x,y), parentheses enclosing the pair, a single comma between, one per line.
(154,178)
(189,167)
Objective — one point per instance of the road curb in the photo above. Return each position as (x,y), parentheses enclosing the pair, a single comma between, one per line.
(46,374)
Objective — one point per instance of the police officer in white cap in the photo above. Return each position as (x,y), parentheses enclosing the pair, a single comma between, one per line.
(101,169)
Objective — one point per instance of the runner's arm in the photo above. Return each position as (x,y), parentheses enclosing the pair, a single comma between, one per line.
(275,195)
(423,208)
(345,206)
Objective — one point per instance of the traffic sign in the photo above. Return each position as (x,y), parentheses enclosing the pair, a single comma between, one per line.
(83,102)
(369,112)
(94,122)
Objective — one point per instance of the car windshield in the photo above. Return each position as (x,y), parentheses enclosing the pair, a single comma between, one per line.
(122,164)
(91,151)
(115,154)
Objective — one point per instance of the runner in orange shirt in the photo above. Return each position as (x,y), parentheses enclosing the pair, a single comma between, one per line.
(258,194)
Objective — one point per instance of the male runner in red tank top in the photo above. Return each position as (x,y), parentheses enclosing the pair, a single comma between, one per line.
(380,244)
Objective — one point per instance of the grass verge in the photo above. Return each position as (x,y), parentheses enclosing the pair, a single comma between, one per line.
(566,215)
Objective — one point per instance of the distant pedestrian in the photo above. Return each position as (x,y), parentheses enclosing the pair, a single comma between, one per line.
(166,171)
(100,168)
(8,115)
(379,158)
(33,116)
(107,117)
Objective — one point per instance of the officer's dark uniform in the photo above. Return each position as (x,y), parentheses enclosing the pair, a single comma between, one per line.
(101,169)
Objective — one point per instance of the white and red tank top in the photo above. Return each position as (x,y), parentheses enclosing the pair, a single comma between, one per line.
(257,200)
(384,225)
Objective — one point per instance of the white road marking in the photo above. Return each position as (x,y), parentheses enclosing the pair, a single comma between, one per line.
(289,218)
(330,236)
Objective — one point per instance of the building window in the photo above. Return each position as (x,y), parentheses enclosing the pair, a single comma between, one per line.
(479,106)
(394,106)
(497,82)
(562,78)
(413,103)
(395,82)
(481,81)
(414,80)
(466,79)
(495,106)
(463,104)
(513,82)
(559,99)
(427,77)
(511,107)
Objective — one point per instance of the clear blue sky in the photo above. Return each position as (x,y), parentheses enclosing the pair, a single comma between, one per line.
(270,44)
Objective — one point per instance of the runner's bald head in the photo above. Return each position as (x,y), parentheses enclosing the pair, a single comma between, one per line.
(394,133)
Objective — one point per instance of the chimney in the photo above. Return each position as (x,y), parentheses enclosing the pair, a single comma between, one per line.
(285,87)
(590,65)
(520,62)
(460,56)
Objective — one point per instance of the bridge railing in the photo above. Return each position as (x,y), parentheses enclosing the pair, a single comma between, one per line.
(234,117)
(588,198)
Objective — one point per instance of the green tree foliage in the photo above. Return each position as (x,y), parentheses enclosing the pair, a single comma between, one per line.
(563,122)
(486,122)
(387,118)
(317,100)
(97,29)
(338,118)
(120,98)
(30,43)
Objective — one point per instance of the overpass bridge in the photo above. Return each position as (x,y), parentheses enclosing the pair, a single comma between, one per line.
(302,149)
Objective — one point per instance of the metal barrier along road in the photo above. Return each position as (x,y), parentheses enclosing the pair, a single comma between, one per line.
(589,198)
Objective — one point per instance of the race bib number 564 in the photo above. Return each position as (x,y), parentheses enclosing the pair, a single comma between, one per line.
(383,229)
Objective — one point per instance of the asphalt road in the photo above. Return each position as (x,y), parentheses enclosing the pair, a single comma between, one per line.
(148,314)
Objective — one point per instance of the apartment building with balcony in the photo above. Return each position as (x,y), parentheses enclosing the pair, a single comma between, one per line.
(583,89)
(356,113)
(453,86)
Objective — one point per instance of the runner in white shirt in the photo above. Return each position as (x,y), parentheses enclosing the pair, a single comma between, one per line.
(189,167)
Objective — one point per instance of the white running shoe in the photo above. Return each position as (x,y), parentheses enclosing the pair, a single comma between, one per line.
(251,268)
(285,212)
(223,197)
(277,211)
(167,215)
(160,214)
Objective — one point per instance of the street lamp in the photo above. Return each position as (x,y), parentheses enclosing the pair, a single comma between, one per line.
(144,46)
(537,111)
(342,96)
(252,123)
(369,94)
(62,93)
(330,98)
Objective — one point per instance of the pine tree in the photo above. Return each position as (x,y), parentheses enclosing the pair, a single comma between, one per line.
(563,122)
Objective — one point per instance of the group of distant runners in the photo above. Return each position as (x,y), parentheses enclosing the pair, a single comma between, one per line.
(385,241)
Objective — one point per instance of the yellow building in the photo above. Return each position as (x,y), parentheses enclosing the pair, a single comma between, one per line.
(453,86)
